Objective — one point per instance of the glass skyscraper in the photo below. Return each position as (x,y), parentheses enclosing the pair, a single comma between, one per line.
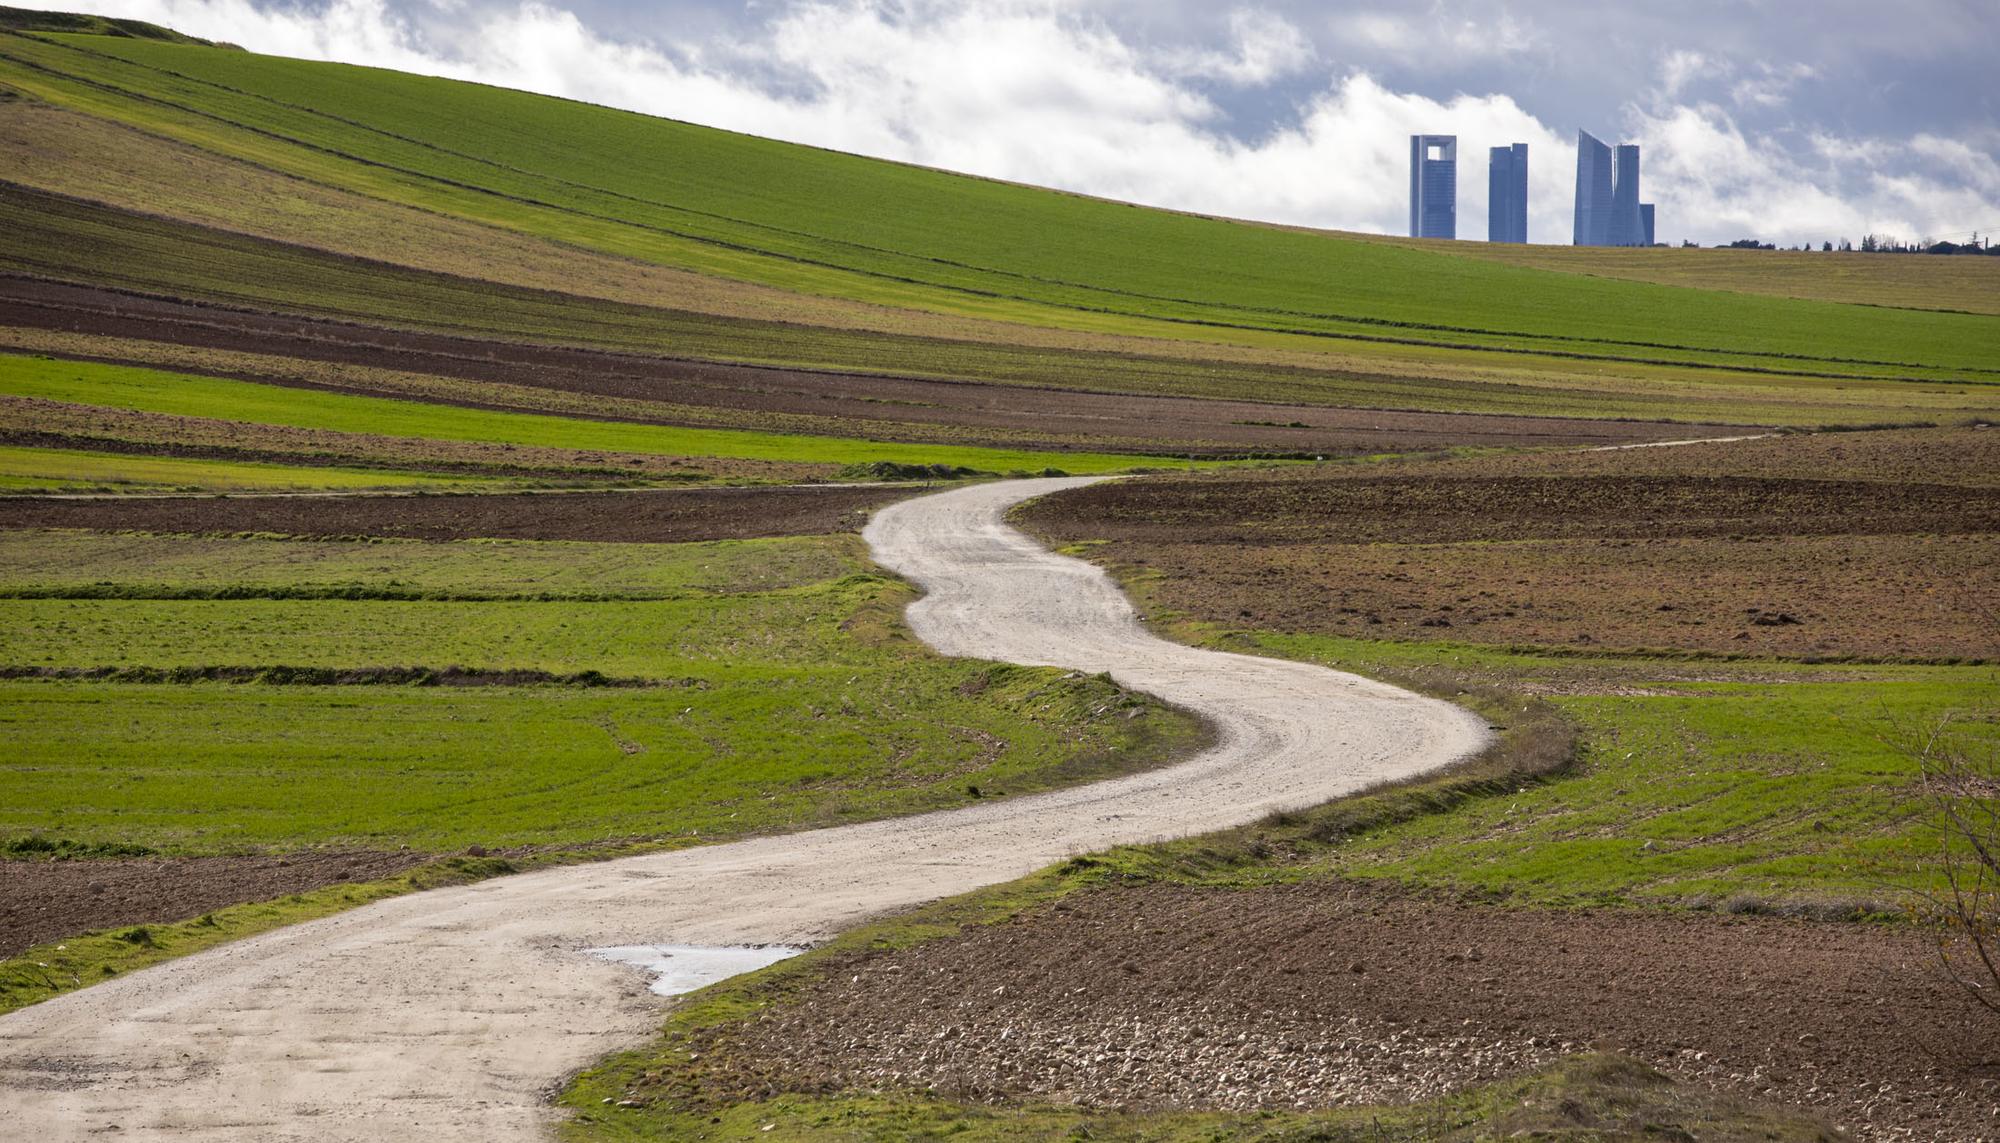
(1507,194)
(1593,191)
(1608,210)
(1626,227)
(1433,186)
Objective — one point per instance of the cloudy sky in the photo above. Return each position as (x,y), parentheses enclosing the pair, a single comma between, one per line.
(1789,120)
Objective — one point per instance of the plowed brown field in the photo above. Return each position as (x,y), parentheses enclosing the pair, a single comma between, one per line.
(1861,544)
(1330,994)
(653,517)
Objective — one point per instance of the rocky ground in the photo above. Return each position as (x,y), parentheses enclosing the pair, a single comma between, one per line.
(1333,994)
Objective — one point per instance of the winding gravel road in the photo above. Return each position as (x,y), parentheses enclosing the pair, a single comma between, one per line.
(453,1014)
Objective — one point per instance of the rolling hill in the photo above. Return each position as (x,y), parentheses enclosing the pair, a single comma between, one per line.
(215,176)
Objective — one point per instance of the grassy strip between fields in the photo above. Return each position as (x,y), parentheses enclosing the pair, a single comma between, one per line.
(74,470)
(85,564)
(178,394)
(1555,1102)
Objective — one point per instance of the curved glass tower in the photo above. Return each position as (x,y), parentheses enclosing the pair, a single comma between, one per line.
(1627,228)
(1593,191)
(1608,210)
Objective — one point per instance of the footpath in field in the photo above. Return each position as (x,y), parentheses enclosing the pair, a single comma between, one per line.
(449,1015)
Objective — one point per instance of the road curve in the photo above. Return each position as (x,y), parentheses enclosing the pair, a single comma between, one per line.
(452,1014)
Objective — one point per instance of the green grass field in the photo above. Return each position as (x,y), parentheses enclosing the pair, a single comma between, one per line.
(137,565)
(218,768)
(1969,285)
(736,636)
(1776,783)
(176,394)
(783,694)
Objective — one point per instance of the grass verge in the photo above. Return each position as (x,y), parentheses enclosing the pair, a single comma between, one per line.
(1599,1097)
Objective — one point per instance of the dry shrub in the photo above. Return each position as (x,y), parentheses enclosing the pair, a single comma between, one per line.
(1960,782)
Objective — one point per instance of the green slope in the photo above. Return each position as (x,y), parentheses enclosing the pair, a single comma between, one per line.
(28,20)
(820,222)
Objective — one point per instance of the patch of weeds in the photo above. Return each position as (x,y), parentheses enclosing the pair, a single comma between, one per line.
(36,846)
(889,470)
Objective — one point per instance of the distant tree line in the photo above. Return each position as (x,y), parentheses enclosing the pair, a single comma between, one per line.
(1875,244)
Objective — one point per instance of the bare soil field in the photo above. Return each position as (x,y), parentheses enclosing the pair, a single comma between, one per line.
(1864,596)
(1966,455)
(662,516)
(42,901)
(1331,994)
(1170,425)
(1412,508)
(1869,545)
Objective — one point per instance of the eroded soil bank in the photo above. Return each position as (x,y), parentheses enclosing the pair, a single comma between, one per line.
(1346,993)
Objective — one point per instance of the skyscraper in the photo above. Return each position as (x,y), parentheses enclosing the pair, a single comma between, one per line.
(1608,210)
(1433,186)
(1626,228)
(1593,191)
(1507,194)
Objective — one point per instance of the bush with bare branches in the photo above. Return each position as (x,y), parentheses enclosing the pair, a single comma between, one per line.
(1960,776)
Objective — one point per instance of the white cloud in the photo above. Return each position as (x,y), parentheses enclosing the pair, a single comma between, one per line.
(1700,160)
(1770,86)
(1681,68)
(1264,47)
(1381,31)
(1439,35)
(1042,91)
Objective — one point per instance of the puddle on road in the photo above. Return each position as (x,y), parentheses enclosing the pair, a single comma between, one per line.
(683,968)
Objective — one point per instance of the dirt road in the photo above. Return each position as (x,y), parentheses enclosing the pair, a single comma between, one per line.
(452,1014)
